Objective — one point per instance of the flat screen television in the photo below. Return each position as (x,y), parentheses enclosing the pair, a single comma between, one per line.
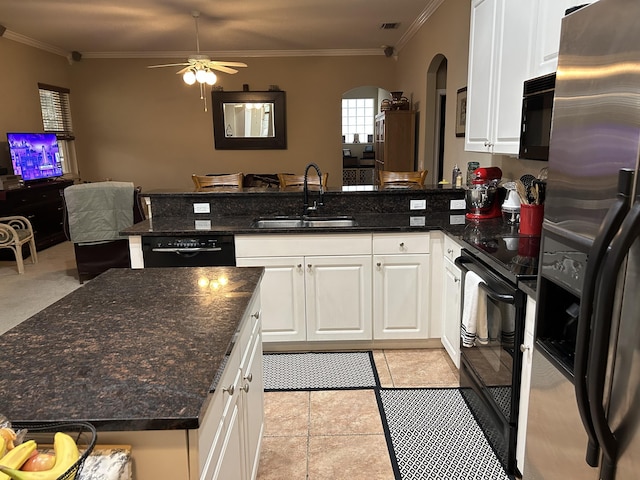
(35,156)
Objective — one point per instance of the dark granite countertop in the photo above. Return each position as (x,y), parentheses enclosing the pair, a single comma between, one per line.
(130,350)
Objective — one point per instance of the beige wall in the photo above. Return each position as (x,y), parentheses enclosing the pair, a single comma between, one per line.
(147,126)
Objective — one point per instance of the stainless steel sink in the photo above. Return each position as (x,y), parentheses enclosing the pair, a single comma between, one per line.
(303,222)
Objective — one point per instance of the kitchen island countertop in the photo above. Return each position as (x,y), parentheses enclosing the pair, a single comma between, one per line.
(130,350)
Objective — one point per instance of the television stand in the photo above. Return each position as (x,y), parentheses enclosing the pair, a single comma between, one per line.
(42,204)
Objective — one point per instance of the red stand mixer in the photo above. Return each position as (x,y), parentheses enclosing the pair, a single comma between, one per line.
(482,196)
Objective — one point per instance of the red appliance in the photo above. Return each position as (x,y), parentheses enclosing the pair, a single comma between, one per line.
(482,196)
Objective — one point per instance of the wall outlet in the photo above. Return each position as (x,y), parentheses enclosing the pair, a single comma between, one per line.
(457,204)
(418,204)
(201,208)
(456,220)
(417,221)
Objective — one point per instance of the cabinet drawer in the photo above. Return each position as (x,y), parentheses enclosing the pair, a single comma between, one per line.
(451,248)
(288,245)
(393,243)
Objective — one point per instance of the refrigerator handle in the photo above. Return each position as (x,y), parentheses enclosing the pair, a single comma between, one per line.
(600,338)
(608,229)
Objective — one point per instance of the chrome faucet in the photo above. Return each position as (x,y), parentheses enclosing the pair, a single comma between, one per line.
(318,203)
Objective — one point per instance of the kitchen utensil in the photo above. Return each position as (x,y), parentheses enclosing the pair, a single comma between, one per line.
(522,192)
(542,174)
(527,179)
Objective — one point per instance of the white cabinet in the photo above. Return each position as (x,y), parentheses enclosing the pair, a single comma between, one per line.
(283,297)
(338,297)
(546,36)
(451,296)
(525,385)
(499,46)
(228,441)
(401,287)
(316,287)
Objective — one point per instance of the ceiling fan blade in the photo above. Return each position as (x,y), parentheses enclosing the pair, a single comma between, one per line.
(167,65)
(181,71)
(222,68)
(229,64)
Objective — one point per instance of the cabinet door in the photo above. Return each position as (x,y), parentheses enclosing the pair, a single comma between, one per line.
(252,391)
(282,290)
(338,293)
(525,385)
(400,289)
(499,64)
(451,311)
(482,43)
(230,459)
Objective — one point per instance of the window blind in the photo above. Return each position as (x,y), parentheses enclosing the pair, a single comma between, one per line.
(56,111)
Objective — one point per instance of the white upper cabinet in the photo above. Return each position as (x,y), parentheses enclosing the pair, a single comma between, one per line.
(499,63)
(546,37)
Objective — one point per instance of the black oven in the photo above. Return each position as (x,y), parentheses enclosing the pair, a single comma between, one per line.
(491,360)
(537,107)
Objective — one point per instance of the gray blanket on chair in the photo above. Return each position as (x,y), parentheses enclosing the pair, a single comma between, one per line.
(97,212)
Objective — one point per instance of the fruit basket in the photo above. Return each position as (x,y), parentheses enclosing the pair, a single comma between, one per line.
(83,433)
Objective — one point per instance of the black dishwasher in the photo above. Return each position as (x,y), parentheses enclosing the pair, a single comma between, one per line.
(190,251)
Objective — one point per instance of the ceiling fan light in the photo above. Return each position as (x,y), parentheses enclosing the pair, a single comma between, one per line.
(189,77)
(201,76)
(211,78)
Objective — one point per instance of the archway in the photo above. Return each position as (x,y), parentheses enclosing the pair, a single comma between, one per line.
(435,117)
(358,155)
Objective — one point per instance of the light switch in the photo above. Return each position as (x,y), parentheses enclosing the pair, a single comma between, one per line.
(418,204)
(201,208)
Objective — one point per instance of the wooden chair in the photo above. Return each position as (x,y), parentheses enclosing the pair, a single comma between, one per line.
(292,180)
(15,231)
(389,178)
(207,182)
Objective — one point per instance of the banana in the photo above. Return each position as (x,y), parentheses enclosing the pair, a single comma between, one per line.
(3,447)
(66,452)
(16,457)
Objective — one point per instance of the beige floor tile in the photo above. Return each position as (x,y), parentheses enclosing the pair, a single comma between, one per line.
(344,412)
(286,414)
(283,458)
(421,368)
(383,369)
(352,457)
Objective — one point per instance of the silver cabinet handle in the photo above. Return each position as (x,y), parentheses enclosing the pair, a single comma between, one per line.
(256,315)
(379,265)
(401,244)
(456,280)
(230,390)
(299,265)
(449,251)
(245,387)
(524,348)
(249,377)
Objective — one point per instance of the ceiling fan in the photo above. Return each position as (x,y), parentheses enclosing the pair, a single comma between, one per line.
(199,68)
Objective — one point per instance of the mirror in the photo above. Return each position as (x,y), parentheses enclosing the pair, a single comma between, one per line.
(249,120)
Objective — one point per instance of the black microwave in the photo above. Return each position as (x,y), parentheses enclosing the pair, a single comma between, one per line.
(537,108)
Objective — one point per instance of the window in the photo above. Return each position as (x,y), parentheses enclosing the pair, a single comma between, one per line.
(56,118)
(357,119)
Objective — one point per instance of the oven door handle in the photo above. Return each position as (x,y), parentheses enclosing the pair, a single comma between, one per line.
(491,286)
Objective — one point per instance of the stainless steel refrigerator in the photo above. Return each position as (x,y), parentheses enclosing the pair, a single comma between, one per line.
(584,407)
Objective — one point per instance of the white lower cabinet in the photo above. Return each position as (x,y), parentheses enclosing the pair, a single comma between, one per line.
(230,436)
(401,286)
(338,297)
(525,381)
(451,297)
(315,287)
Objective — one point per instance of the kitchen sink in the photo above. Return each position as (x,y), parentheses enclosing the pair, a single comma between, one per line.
(303,222)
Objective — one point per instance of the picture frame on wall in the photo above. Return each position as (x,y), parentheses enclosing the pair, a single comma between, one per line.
(461,111)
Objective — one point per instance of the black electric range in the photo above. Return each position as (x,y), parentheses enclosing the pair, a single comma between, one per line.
(502,248)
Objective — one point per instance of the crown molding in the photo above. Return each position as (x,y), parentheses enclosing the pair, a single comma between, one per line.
(238,53)
(431,7)
(16,37)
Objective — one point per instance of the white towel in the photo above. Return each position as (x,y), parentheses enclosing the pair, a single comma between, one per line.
(474,312)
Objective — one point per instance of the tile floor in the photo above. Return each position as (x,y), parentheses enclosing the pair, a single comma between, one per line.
(338,434)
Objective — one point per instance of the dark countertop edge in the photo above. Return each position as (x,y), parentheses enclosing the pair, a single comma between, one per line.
(530,287)
(125,424)
(297,190)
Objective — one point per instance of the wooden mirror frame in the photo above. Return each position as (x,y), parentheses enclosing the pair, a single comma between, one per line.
(277,98)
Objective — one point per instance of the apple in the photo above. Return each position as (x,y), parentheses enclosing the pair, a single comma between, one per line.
(38,462)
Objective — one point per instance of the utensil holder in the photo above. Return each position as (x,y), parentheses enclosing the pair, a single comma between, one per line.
(531,219)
